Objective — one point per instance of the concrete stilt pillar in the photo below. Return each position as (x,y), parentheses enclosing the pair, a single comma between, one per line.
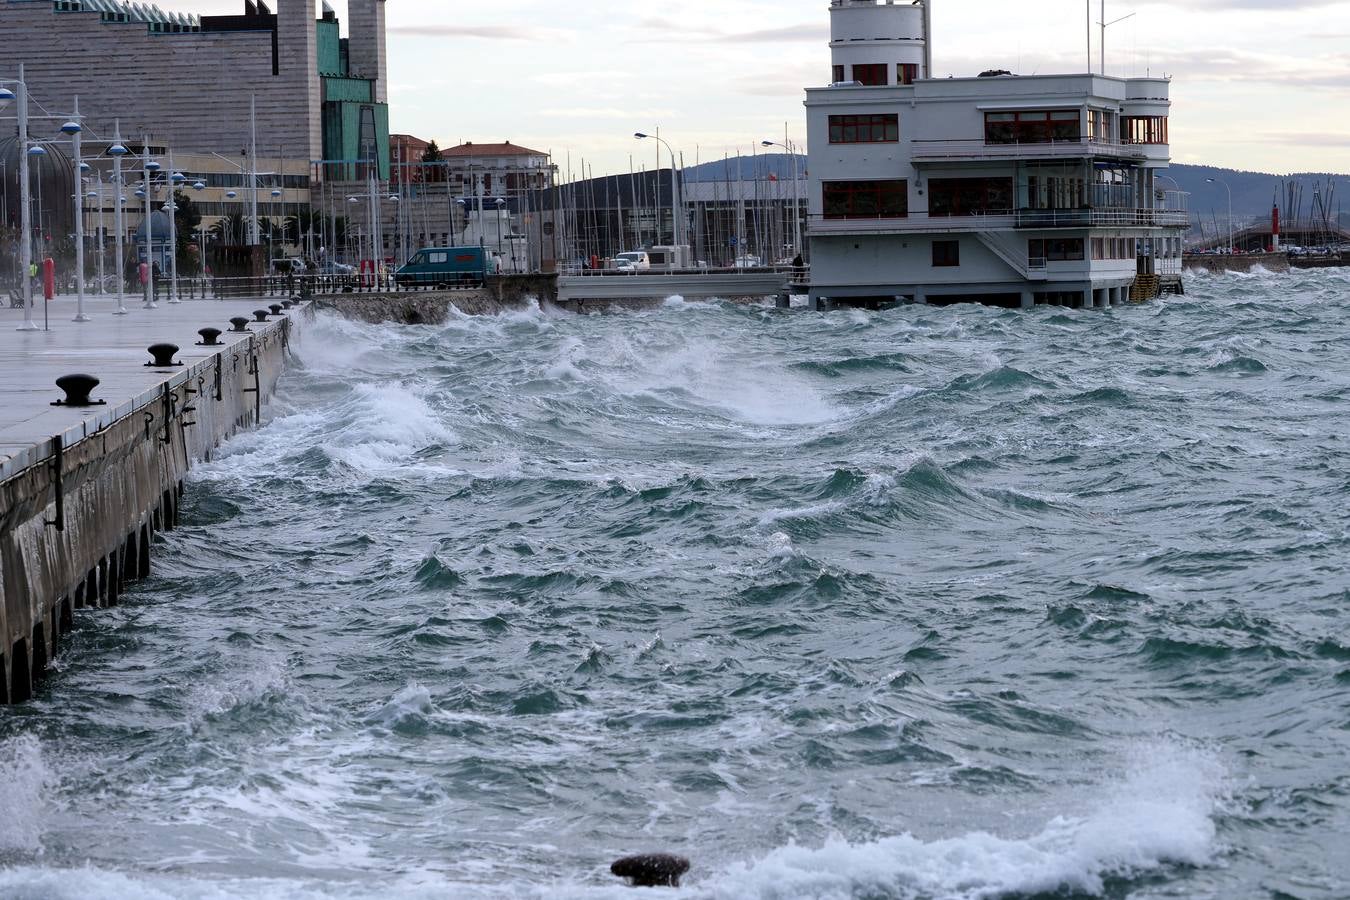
(921,299)
(1028,299)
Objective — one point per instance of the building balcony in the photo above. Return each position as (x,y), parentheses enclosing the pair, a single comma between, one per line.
(999,220)
(977,150)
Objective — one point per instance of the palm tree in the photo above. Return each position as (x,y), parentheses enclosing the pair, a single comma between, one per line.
(230,229)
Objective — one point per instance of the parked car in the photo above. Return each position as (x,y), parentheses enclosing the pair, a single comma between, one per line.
(289,266)
(632,261)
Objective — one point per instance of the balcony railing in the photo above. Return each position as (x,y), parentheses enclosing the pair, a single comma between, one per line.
(977,149)
(1002,220)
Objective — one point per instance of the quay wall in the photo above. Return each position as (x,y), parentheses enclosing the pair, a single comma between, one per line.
(1271,262)
(432,307)
(78,523)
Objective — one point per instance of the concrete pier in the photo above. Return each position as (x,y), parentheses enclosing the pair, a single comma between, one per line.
(84,490)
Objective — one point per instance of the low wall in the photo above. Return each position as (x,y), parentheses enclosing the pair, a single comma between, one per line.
(77,526)
(412,307)
(1271,262)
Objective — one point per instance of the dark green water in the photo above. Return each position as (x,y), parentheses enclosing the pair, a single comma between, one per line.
(954,603)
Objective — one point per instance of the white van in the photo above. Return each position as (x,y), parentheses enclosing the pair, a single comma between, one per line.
(670,257)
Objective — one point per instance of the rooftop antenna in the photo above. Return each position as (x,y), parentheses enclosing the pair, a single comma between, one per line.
(1105,24)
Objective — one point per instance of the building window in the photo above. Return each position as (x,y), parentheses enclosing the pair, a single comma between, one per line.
(969,196)
(880,129)
(1143,129)
(1056,249)
(866,199)
(872,74)
(946,254)
(1032,127)
(1100,124)
(906,73)
(836,74)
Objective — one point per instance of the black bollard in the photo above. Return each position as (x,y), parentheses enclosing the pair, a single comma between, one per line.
(210,337)
(651,869)
(163,356)
(260,315)
(286,304)
(78,388)
(276,309)
(239,323)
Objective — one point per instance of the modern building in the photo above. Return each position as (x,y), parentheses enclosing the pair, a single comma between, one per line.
(999,189)
(193,85)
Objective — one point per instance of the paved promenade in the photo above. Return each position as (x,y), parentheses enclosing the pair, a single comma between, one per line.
(111,348)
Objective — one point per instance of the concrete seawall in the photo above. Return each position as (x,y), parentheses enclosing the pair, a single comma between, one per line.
(79,510)
(1271,262)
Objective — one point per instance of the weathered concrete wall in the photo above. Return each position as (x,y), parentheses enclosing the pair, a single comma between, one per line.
(111,492)
(1271,262)
(412,307)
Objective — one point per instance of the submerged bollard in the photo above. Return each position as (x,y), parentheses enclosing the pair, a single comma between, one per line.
(163,356)
(210,337)
(260,315)
(651,869)
(239,323)
(78,388)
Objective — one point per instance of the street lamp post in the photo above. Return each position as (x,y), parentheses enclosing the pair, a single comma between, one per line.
(74,128)
(499,203)
(796,197)
(175,178)
(148,167)
(674,189)
(25,213)
(1230,209)
(117,151)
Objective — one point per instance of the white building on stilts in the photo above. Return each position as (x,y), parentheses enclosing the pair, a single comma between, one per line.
(997,189)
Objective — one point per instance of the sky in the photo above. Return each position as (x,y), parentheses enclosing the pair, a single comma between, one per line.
(1260,85)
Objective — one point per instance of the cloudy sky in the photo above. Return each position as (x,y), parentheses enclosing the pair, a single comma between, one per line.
(1258,84)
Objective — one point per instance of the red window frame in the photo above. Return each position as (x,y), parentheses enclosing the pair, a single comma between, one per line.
(946,254)
(882,128)
(969,196)
(871,74)
(836,74)
(1143,129)
(1033,126)
(865,199)
(906,73)
(1056,249)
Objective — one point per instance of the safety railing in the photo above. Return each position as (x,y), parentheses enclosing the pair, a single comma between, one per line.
(977,148)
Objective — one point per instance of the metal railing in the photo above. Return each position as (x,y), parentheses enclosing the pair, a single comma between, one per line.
(978,148)
(1003,219)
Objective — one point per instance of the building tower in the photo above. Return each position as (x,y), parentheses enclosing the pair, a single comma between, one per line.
(366,45)
(880,42)
(297,65)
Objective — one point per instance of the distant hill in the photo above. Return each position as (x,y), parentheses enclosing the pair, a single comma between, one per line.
(1252,191)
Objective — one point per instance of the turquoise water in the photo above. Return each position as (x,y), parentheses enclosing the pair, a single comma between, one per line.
(930,603)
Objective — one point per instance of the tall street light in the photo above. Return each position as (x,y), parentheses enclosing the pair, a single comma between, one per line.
(1230,208)
(7,97)
(117,151)
(148,168)
(74,128)
(796,198)
(674,190)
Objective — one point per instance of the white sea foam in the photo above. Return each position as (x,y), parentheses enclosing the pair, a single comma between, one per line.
(1160,813)
(25,781)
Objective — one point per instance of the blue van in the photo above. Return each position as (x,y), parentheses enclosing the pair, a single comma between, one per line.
(444,267)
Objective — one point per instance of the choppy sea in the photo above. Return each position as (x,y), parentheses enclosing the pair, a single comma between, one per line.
(927,603)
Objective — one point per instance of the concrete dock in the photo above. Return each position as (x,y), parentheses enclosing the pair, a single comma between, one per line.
(83,490)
